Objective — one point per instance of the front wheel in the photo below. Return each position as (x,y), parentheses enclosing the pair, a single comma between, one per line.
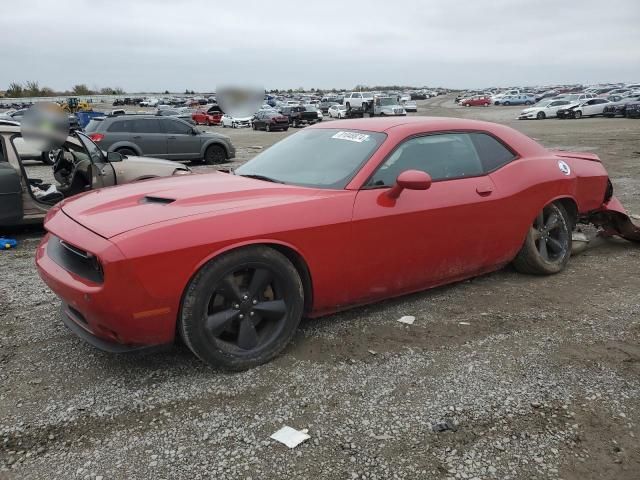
(577,114)
(540,116)
(242,309)
(547,248)
(49,158)
(486,104)
(506,104)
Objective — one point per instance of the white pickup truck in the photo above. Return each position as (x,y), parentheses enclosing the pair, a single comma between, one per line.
(358,100)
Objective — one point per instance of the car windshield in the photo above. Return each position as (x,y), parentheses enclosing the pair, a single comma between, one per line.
(92,149)
(387,101)
(322,158)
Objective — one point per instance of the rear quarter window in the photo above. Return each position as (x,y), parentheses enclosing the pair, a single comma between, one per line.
(93,125)
(493,153)
(121,126)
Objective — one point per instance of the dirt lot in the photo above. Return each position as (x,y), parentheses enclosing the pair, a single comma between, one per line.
(540,377)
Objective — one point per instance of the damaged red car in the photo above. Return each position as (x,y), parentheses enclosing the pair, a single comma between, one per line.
(331,217)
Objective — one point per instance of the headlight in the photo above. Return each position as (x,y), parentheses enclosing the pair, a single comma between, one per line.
(181,171)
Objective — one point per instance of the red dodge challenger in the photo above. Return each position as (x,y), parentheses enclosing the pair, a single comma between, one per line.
(328,218)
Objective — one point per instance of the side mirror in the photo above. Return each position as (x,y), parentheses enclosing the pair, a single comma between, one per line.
(114,157)
(410,180)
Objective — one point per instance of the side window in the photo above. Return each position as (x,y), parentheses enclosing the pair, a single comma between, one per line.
(443,156)
(147,125)
(2,155)
(121,126)
(177,128)
(493,154)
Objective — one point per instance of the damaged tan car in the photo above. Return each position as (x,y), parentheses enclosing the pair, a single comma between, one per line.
(79,166)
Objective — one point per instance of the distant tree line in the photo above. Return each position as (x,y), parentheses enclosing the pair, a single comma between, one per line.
(33,89)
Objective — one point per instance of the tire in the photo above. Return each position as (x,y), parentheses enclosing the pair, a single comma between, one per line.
(267,127)
(49,158)
(228,322)
(608,115)
(547,248)
(296,124)
(467,105)
(233,124)
(253,125)
(506,104)
(348,105)
(126,151)
(215,154)
(486,104)
(577,114)
(223,125)
(527,102)
(541,116)
(285,129)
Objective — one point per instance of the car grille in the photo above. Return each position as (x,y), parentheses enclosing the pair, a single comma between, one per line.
(75,260)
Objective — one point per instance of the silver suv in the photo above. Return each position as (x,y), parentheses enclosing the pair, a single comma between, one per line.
(160,137)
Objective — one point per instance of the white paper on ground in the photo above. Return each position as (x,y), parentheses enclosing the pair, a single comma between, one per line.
(408,319)
(290,436)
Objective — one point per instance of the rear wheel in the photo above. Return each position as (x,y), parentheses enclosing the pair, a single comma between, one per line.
(215,154)
(486,104)
(49,158)
(242,309)
(267,127)
(547,247)
(506,104)
(540,116)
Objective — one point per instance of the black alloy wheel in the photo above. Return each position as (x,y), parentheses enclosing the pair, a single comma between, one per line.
(241,310)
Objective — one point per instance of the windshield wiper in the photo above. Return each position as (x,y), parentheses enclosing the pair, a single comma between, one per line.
(260,177)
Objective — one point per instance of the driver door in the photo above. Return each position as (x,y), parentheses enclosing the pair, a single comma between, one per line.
(102,172)
(428,237)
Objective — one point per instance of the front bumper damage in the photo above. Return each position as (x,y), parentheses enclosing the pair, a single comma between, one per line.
(614,220)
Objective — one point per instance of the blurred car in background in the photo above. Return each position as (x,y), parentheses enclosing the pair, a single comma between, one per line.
(337,111)
(410,106)
(476,101)
(546,108)
(203,117)
(620,107)
(235,122)
(270,121)
(516,99)
(588,108)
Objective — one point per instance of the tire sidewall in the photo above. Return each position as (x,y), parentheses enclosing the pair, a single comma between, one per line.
(198,292)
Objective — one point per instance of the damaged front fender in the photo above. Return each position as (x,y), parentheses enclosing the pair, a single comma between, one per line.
(614,220)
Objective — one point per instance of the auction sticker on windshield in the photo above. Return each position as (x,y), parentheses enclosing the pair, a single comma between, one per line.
(351,136)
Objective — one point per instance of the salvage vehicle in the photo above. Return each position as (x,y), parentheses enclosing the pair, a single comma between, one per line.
(410,106)
(358,100)
(547,108)
(79,166)
(270,120)
(588,108)
(519,99)
(231,262)
(619,107)
(632,110)
(476,101)
(235,122)
(202,117)
(160,137)
(387,106)
(327,102)
(298,115)
(337,111)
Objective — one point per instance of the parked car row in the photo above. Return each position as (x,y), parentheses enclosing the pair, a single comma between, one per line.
(578,105)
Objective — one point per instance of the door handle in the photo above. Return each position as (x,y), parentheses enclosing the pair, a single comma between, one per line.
(171,138)
(137,136)
(484,189)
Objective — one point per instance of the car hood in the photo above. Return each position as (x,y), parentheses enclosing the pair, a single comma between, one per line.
(116,210)
(149,161)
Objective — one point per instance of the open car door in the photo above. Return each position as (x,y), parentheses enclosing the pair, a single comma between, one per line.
(11,210)
(102,172)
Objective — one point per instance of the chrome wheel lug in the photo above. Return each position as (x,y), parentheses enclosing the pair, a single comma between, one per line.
(241,316)
(245,297)
(251,314)
(255,302)
(236,306)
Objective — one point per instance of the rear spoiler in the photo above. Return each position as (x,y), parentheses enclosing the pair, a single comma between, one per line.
(581,155)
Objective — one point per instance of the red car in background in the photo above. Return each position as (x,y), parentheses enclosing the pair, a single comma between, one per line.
(476,101)
(339,214)
(204,117)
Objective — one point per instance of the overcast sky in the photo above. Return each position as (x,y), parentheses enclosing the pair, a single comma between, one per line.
(153,45)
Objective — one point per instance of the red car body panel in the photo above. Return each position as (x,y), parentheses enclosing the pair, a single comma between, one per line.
(358,245)
(476,102)
(204,118)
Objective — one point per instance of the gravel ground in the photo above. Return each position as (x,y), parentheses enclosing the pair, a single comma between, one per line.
(530,377)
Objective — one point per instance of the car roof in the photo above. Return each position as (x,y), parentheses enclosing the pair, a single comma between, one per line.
(414,125)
